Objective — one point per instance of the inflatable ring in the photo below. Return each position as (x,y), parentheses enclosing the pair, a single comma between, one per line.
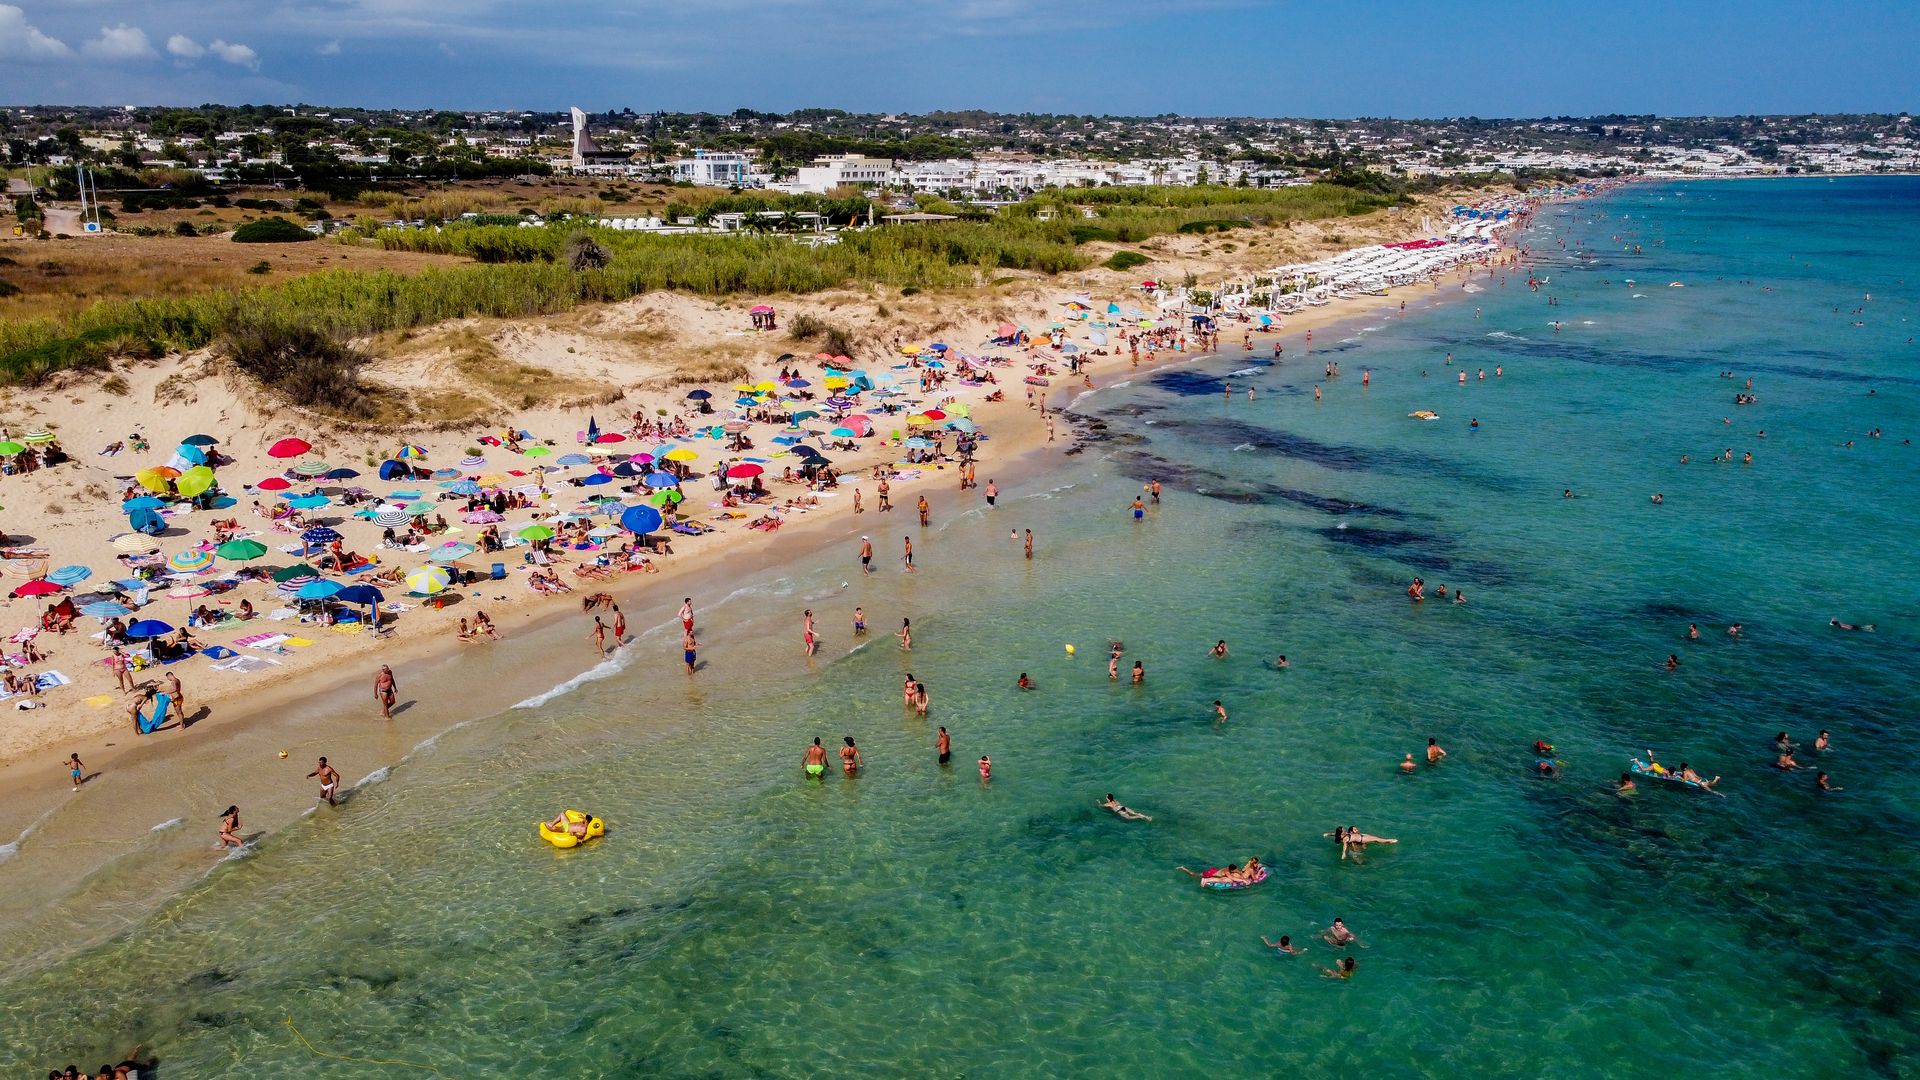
(595,829)
(1262,876)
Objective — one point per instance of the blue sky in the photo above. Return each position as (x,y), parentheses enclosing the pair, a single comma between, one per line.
(1237,57)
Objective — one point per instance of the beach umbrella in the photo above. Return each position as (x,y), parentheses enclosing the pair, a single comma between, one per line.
(392,518)
(627,470)
(199,440)
(934,414)
(190,561)
(744,471)
(149,628)
(473,462)
(38,437)
(699,395)
(919,420)
(480,517)
(192,455)
(10,448)
(296,572)
(409,451)
(798,384)
(274,483)
(917,443)
(144,502)
(310,467)
(427,580)
(806,414)
(963,424)
(309,502)
(640,520)
(746,401)
(680,455)
(537,451)
(339,474)
(444,474)
(811,456)
(660,480)
(611,437)
(319,534)
(37,587)
(535,532)
(242,550)
(861,424)
(289,448)
(1005,329)
(70,575)
(194,481)
(596,479)
(570,460)
(134,543)
(156,479)
(359,594)
(419,509)
(842,433)
(462,487)
(105,609)
(665,498)
(735,427)
(318,589)
(603,532)
(451,550)
(146,521)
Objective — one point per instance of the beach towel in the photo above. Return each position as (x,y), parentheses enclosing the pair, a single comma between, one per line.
(145,722)
(220,652)
(46,680)
(99,701)
(247,664)
(261,641)
(297,643)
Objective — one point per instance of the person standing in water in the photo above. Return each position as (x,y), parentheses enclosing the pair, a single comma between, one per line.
(599,636)
(76,770)
(907,557)
(1139,672)
(850,757)
(329,780)
(943,745)
(814,762)
(924,510)
(686,614)
(906,635)
(689,649)
(385,690)
(866,555)
(807,634)
(859,622)
(619,627)
(1434,754)
(1029,545)
(1139,509)
(993,491)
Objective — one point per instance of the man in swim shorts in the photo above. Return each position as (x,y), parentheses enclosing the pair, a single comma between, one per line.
(815,761)
(329,780)
(944,744)
(993,491)
(1139,508)
(866,555)
(686,614)
(689,649)
(385,690)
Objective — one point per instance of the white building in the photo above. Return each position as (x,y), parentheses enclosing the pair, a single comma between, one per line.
(714,168)
(840,170)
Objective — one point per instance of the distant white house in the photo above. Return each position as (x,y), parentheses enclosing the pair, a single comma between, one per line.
(714,168)
(840,170)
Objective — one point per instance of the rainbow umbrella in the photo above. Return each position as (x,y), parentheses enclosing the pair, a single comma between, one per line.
(190,561)
(410,451)
(427,580)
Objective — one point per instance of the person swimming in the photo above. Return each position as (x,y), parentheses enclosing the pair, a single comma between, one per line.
(1125,813)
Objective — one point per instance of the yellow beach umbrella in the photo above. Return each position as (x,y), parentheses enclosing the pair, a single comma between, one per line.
(836,382)
(155,479)
(766,386)
(427,580)
(909,350)
(919,419)
(194,481)
(681,454)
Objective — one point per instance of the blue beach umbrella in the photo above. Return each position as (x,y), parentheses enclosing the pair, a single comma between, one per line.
(699,395)
(309,502)
(105,609)
(149,628)
(359,594)
(318,589)
(319,534)
(572,459)
(70,575)
(660,480)
(144,502)
(146,521)
(192,454)
(340,474)
(597,479)
(462,487)
(445,474)
(640,519)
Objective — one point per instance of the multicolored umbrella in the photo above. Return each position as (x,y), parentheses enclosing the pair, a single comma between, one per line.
(427,580)
(38,437)
(410,451)
(310,467)
(190,561)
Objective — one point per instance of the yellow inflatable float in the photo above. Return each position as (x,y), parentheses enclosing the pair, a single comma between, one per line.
(570,837)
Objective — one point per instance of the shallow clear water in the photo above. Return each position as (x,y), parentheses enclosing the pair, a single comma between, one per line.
(737,921)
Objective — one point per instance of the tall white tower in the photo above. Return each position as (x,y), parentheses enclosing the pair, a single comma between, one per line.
(582,142)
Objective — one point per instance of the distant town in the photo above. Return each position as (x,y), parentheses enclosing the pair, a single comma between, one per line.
(970,156)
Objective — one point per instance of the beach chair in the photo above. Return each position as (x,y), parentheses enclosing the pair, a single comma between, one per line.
(499,571)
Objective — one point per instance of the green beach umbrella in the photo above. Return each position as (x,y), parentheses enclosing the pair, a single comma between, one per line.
(667,497)
(537,451)
(194,481)
(10,448)
(297,570)
(241,550)
(535,532)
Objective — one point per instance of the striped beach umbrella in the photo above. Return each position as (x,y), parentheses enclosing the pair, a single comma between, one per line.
(392,518)
(310,467)
(134,543)
(474,462)
(34,437)
(190,561)
(427,580)
(70,575)
(410,451)
(451,550)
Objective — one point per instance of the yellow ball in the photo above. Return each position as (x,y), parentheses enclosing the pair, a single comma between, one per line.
(1069,650)
(283,753)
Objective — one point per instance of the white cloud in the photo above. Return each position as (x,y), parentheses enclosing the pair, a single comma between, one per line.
(21,40)
(120,42)
(235,53)
(331,48)
(185,47)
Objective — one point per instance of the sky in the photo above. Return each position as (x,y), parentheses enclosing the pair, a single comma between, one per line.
(1115,57)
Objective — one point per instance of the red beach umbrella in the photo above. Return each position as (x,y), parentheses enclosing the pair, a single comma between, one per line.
(274,483)
(286,448)
(37,587)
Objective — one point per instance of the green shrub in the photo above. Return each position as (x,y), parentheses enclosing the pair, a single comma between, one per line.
(261,267)
(1125,260)
(8,288)
(270,230)
(185,228)
(309,366)
(1086,234)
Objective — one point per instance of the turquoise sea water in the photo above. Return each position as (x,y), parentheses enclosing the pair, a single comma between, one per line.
(916,922)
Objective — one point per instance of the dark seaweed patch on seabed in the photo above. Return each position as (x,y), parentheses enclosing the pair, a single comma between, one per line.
(1221,432)
(1140,465)
(1584,353)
